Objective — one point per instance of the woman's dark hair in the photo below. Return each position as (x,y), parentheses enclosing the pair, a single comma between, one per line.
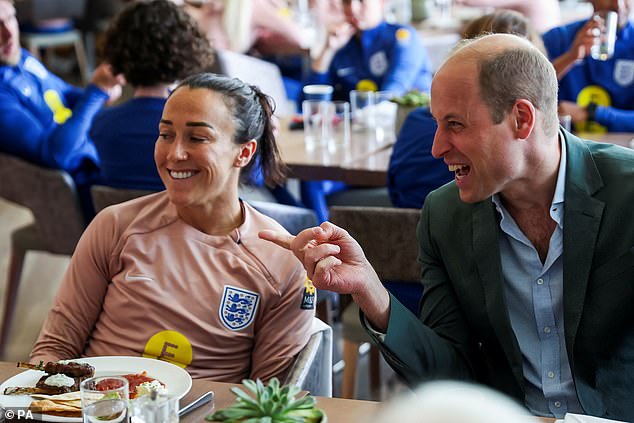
(252,112)
(155,42)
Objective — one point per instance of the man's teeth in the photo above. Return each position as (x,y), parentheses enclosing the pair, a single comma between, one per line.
(181,175)
(453,168)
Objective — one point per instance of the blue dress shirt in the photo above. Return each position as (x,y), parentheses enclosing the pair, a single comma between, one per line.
(534,295)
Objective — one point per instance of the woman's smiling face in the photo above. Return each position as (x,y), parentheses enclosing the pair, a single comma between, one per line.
(195,154)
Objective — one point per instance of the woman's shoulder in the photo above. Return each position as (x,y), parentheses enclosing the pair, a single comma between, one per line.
(139,214)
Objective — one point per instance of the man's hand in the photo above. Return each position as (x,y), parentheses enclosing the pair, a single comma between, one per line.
(107,81)
(335,261)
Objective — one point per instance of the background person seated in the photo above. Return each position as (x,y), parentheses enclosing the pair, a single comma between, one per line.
(171,49)
(370,54)
(598,95)
(42,118)
(181,275)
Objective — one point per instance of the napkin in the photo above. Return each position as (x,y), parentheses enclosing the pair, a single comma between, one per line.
(580,418)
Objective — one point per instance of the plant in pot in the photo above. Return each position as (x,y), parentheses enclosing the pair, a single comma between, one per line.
(272,404)
(406,104)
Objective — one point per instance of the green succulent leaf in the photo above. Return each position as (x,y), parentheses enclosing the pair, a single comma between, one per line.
(272,403)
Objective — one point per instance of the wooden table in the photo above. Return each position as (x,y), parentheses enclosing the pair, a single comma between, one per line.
(352,163)
(338,410)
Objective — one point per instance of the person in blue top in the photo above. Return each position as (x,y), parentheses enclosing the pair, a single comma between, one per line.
(598,95)
(370,54)
(172,47)
(44,119)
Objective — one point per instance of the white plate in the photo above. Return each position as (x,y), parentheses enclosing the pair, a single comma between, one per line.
(177,381)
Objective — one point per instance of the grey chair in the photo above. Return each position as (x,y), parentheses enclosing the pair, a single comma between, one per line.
(310,370)
(58,220)
(104,196)
(388,238)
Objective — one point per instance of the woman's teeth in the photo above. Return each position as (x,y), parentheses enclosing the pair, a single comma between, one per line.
(181,175)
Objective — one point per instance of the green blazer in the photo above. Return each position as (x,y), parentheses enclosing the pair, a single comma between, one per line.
(464,330)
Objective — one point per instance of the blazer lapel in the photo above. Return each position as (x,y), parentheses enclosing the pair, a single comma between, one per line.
(487,256)
(582,217)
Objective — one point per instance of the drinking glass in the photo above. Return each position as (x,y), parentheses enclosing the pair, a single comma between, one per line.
(154,408)
(104,399)
(603,47)
(317,115)
(362,104)
(340,125)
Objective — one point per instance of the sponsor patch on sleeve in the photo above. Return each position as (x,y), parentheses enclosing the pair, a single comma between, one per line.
(308,295)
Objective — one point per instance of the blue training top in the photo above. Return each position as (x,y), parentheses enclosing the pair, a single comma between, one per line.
(615,76)
(125,137)
(391,56)
(45,120)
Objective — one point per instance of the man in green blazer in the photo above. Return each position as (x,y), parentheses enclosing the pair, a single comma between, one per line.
(527,256)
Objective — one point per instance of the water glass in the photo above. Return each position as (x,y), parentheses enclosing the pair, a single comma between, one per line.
(104,399)
(154,408)
(317,116)
(362,105)
(603,47)
(385,111)
(340,125)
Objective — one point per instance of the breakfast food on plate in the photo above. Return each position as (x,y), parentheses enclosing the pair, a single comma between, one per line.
(64,405)
(66,367)
(57,394)
(141,384)
(61,377)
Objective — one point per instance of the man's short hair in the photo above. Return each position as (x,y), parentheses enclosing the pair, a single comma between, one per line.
(519,73)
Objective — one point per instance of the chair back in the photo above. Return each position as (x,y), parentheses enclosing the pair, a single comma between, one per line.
(293,219)
(104,196)
(36,10)
(387,236)
(51,196)
(265,75)
(312,368)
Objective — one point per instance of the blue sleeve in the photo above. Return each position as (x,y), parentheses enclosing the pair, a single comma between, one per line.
(318,78)
(413,172)
(616,120)
(63,147)
(409,60)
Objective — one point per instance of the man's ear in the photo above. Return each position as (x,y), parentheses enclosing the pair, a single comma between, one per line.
(245,153)
(524,115)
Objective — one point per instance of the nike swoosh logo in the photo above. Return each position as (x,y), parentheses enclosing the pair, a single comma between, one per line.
(134,278)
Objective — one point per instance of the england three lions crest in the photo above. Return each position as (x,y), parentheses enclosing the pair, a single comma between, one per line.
(238,307)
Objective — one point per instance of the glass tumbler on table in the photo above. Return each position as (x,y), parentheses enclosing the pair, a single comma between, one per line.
(104,399)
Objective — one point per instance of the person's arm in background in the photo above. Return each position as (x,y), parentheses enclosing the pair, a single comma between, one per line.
(564,54)
(320,66)
(407,59)
(61,146)
(616,120)
(284,329)
(80,297)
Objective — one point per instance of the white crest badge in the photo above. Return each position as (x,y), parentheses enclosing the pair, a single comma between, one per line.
(238,307)
(378,63)
(624,72)
(35,67)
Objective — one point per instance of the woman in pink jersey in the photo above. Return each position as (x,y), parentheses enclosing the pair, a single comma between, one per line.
(181,275)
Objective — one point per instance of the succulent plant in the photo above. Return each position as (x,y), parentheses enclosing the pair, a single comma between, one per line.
(271,404)
(413,98)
